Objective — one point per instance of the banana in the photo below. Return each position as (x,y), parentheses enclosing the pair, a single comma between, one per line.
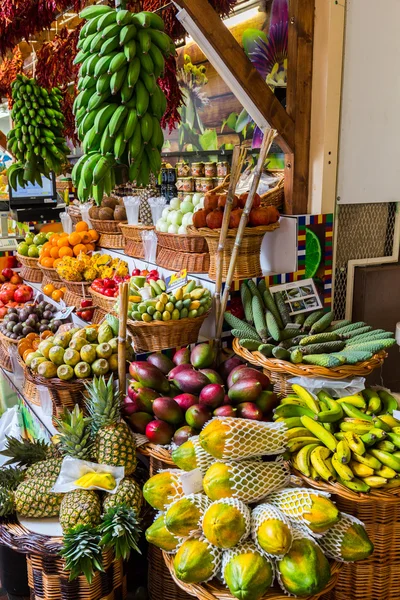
(91,141)
(148,19)
(124,17)
(80,57)
(356,401)
(290,422)
(146,127)
(130,125)
(101,168)
(318,459)
(396,429)
(117,120)
(103,83)
(76,171)
(306,397)
(96,43)
(386,446)
(117,80)
(96,100)
(87,170)
(292,400)
(142,98)
(91,64)
(334,412)
(319,431)
(343,452)
(149,81)
(390,420)
(344,472)
(160,39)
(128,32)
(356,485)
(130,50)
(158,60)
(154,157)
(375,481)
(374,403)
(89,27)
(369,439)
(109,46)
(360,470)
(144,173)
(391,484)
(369,460)
(102,117)
(144,40)
(103,64)
(119,145)
(356,427)
(295,444)
(291,410)
(107,142)
(354,413)
(158,103)
(98,192)
(91,12)
(133,73)
(117,63)
(108,182)
(378,423)
(106,21)
(135,143)
(386,472)
(127,95)
(379,434)
(134,170)
(389,402)
(303,459)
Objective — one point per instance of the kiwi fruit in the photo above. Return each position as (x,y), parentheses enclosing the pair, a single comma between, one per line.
(106,214)
(94,212)
(120,213)
(108,202)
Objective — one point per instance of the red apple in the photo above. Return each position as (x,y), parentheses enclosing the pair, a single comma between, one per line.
(135,273)
(7,273)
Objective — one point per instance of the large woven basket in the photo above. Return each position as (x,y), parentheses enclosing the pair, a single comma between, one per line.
(74,212)
(133,232)
(103,302)
(214,590)
(280,371)
(27,261)
(72,299)
(31,275)
(5,358)
(134,249)
(106,226)
(176,261)
(274,197)
(50,275)
(182,243)
(79,288)
(248,263)
(157,453)
(160,335)
(378,576)
(111,241)
(48,578)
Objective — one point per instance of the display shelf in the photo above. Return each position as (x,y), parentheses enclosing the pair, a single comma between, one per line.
(77,320)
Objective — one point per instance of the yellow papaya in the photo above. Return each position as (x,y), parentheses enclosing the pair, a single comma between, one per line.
(226,522)
(306,506)
(162,489)
(213,437)
(184,456)
(196,561)
(248,575)
(347,541)
(183,517)
(322,515)
(274,537)
(217,482)
(304,570)
(158,535)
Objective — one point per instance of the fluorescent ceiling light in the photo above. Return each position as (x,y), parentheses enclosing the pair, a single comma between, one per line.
(227,75)
(240,17)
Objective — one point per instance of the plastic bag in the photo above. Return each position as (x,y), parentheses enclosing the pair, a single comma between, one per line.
(73,469)
(149,239)
(85,214)
(335,388)
(10,426)
(267,181)
(66,222)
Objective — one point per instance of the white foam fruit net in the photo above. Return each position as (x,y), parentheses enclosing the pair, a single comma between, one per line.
(331,542)
(203,459)
(176,485)
(200,501)
(246,438)
(295,502)
(244,548)
(216,555)
(260,514)
(241,507)
(252,480)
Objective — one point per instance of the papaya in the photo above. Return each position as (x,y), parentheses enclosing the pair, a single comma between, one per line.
(248,575)
(274,537)
(184,456)
(213,437)
(162,489)
(217,482)
(304,570)
(356,544)
(225,524)
(194,562)
(305,505)
(183,517)
(323,514)
(158,535)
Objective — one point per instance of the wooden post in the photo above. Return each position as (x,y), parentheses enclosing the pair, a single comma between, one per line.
(123,315)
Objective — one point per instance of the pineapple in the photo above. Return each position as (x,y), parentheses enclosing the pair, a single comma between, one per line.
(24,453)
(145,216)
(75,434)
(6,502)
(33,498)
(114,443)
(44,468)
(79,507)
(128,493)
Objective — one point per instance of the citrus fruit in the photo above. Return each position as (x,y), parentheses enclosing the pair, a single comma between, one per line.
(63,241)
(57,295)
(313,254)
(81,226)
(65,251)
(33,251)
(48,262)
(29,240)
(23,248)
(48,289)
(79,248)
(93,234)
(74,238)
(54,252)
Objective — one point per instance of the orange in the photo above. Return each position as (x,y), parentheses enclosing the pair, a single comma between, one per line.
(89,247)
(48,289)
(57,262)
(74,238)
(64,234)
(26,345)
(79,248)
(86,237)
(81,226)
(45,334)
(26,352)
(35,343)
(54,239)
(63,241)
(57,295)
(54,252)
(93,234)
(31,336)
(45,252)
(63,289)
(65,251)
(48,262)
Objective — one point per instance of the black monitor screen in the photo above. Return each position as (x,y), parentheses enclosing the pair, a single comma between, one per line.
(33,193)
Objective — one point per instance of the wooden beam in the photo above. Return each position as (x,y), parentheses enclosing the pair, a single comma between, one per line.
(247,77)
(298,103)
(3,141)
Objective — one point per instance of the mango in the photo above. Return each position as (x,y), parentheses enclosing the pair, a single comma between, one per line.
(212,376)
(158,535)
(323,514)
(217,482)
(304,571)
(182,517)
(274,537)
(213,438)
(226,367)
(190,381)
(246,390)
(182,357)
(224,525)
(161,361)
(248,575)
(149,376)
(250,373)
(194,563)
(162,489)
(202,355)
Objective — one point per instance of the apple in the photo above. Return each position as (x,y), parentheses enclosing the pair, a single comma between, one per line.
(175,203)
(7,273)
(135,272)
(186,207)
(176,218)
(171,216)
(182,230)
(187,219)
(187,198)
(165,212)
(196,198)
(162,226)
(173,228)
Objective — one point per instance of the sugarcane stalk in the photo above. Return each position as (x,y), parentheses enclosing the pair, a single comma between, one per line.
(123,315)
(268,138)
(238,157)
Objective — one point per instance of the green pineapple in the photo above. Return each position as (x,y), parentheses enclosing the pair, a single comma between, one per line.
(114,443)
(120,530)
(44,468)
(33,498)
(82,552)
(128,493)
(24,453)
(75,434)
(80,507)
(6,502)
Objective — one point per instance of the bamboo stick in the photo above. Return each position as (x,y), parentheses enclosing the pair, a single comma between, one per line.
(238,157)
(123,315)
(266,145)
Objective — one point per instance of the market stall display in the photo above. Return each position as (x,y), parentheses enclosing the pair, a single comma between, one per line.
(28,253)
(106,218)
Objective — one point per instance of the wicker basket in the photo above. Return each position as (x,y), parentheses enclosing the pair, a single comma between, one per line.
(157,453)
(50,275)
(191,261)
(111,241)
(31,275)
(377,576)
(106,226)
(133,232)
(5,358)
(280,371)
(274,197)
(103,302)
(30,391)
(160,335)
(98,316)
(27,261)
(214,590)
(6,341)
(74,212)
(72,299)
(182,243)
(47,577)
(248,262)
(79,288)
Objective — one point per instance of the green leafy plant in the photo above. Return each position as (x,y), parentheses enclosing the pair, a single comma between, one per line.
(82,552)
(120,530)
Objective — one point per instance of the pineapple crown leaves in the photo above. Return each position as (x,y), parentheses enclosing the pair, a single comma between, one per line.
(24,453)
(10,478)
(120,530)
(104,402)
(6,502)
(75,433)
(82,553)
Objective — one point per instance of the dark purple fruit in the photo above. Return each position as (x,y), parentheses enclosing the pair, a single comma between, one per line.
(161,361)
(182,357)
(228,365)
(190,381)
(139,421)
(225,411)
(249,373)
(212,395)
(229,381)
(183,434)
(247,390)
(168,410)
(178,369)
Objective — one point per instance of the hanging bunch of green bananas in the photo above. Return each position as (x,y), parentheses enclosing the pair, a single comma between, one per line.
(120,105)
(36,140)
